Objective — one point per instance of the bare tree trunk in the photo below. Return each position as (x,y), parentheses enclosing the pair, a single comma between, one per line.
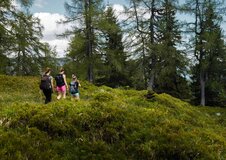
(144,62)
(152,66)
(18,63)
(151,81)
(153,56)
(89,40)
(202,86)
(199,53)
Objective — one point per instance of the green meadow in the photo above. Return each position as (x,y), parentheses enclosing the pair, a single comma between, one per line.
(106,124)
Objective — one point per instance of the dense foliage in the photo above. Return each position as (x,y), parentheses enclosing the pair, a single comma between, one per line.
(209,51)
(21,51)
(149,49)
(105,124)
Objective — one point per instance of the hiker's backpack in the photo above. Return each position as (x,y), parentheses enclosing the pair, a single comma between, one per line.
(73,87)
(45,82)
(59,80)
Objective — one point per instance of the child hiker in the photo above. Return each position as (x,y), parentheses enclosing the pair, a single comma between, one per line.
(74,87)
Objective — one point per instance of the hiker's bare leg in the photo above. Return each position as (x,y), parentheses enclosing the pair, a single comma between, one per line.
(64,94)
(59,95)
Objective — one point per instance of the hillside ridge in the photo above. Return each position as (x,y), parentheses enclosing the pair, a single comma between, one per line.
(105,124)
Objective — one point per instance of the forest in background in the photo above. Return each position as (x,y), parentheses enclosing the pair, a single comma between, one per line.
(151,49)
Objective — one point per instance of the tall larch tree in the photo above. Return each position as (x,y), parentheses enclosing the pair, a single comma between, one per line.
(84,14)
(172,62)
(20,34)
(26,32)
(113,72)
(207,53)
(147,14)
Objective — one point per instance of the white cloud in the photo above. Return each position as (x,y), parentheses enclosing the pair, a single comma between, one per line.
(40,3)
(122,14)
(60,44)
(52,29)
(119,12)
(16,4)
(118,7)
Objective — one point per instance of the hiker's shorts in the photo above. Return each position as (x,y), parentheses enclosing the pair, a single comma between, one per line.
(75,94)
(61,89)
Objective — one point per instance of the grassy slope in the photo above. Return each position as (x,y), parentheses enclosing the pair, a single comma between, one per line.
(105,124)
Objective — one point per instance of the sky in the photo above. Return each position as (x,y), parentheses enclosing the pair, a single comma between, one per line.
(57,6)
(50,12)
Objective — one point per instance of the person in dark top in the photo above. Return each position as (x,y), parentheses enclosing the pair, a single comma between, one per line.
(47,85)
(74,87)
(61,84)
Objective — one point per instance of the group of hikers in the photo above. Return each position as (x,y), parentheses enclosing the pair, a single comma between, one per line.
(61,86)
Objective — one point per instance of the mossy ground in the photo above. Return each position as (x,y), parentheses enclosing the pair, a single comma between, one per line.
(105,124)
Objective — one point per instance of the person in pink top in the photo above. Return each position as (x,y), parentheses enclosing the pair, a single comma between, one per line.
(61,84)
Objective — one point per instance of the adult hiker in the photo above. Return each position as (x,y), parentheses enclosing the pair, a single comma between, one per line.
(74,87)
(46,85)
(61,84)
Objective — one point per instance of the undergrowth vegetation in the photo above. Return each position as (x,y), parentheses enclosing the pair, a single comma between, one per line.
(105,124)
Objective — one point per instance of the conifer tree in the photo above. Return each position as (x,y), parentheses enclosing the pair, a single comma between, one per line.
(209,50)
(76,52)
(28,49)
(20,34)
(113,72)
(87,14)
(171,76)
(6,11)
(163,65)
(147,14)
